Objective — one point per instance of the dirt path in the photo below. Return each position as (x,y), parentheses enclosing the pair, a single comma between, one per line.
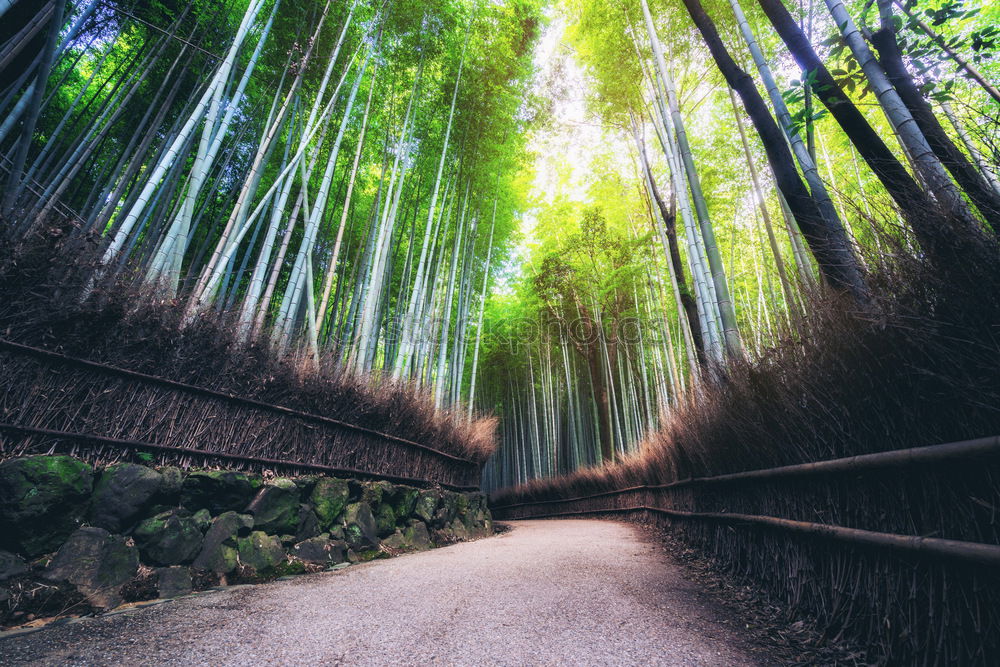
(546,593)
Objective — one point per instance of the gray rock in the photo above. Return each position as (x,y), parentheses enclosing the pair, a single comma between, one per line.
(275,510)
(308,524)
(447,510)
(359,527)
(173,581)
(97,563)
(416,535)
(11,566)
(374,493)
(337,533)
(218,490)
(395,542)
(426,505)
(458,529)
(168,539)
(122,493)
(320,550)
(442,536)
(477,524)
(261,551)
(469,516)
(329,498)
(462,503)
(42,501)
(218,552)
(477,502)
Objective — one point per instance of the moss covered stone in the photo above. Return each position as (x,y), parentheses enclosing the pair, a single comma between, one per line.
(458,530)
(385,520)
(395,542)
(219,490)
(374,493)
(306,485)
(359,526)
(218,552)
(447,510)
(366,555)
(168,539)
(405,501)
(329,498)
(275,510)
(417,535)
(170,488)
(42,501)
(289,568)
(426,506)
(203,519)
(260,551)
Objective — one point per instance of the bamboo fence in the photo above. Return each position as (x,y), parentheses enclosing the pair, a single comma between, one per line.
(53,402)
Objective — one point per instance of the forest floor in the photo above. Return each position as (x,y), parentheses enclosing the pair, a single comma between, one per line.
(573,592)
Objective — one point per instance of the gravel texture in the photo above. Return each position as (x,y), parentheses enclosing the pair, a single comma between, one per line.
(546,593)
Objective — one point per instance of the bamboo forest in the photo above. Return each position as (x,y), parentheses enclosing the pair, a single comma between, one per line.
(555,252)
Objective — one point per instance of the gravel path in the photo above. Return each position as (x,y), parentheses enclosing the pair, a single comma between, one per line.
(546,593)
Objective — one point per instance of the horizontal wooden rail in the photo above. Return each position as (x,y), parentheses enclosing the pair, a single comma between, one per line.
(968,552)
(136,444)
(897,458)
(212,393)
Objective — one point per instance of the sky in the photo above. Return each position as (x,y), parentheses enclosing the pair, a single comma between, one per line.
(563,146)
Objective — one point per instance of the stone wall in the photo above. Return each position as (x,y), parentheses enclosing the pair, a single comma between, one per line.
(76,539)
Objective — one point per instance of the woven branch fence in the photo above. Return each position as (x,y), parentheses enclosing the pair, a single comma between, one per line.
(51,402)
(898,551)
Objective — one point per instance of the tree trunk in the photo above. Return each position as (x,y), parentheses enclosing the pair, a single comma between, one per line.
(727,313)
(669,218)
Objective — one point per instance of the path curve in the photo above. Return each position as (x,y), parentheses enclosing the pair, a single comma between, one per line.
(572,592)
